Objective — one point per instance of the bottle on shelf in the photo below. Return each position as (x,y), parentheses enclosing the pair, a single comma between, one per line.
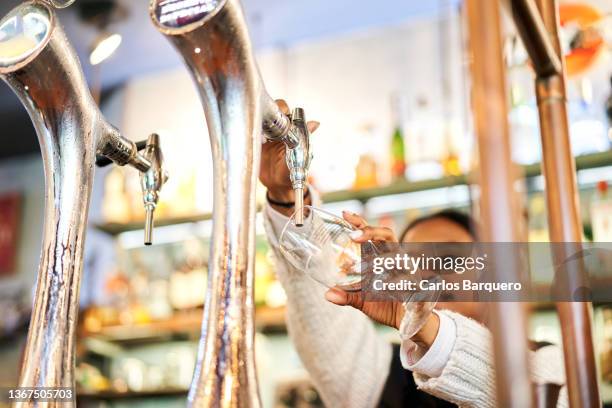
(398,148)
(451,164)
(609,111)
(367,169)
(365,173)
(606,352)
(601,214)
(588,131)
(425,136)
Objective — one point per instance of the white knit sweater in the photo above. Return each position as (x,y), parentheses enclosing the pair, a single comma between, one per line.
(349,362)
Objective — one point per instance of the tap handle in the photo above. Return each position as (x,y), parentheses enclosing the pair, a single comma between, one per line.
(152,182)
(103,161)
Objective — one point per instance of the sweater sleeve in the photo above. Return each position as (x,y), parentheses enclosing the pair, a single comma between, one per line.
(347,360)
(468,378)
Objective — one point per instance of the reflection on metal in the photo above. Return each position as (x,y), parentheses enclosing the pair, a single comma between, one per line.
(62,4)
(544,58)
(499,208)
(38,63)
(564,222)
(213,39)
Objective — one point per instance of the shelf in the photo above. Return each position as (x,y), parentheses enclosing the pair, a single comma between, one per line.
(589,161)
(115,228)
(114,395)
(184,325)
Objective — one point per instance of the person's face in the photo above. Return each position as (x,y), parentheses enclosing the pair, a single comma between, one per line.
(443,230)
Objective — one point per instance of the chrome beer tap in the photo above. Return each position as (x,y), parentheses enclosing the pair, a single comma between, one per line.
(41,67)
(298,157)
(212,37)
(293,132)
(152,181)
(188,24)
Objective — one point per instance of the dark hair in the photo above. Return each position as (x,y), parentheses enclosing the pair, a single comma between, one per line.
(462,219)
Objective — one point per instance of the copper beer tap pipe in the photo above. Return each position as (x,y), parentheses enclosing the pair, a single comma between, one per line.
(542,53)
(499,208)
(565,224)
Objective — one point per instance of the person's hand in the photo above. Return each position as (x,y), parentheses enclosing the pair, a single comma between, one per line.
(388,313)
(273,171)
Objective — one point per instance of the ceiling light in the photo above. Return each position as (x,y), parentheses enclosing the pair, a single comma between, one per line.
(104,47)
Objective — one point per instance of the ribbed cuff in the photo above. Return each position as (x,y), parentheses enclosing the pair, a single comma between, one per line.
(431,362)
(468,377)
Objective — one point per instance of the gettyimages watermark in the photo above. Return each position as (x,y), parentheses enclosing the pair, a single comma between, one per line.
(487,272)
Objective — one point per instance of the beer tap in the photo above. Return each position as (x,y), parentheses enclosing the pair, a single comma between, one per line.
(213,39)
(293,132)
(153,175)
(41,67)
(188,25)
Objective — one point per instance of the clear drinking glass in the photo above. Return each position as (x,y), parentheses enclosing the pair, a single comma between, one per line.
(323,249)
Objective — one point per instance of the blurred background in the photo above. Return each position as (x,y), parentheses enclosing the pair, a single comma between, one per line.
(388,82)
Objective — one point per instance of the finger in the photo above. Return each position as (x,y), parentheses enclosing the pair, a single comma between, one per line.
(377,234)
(337,297)
(313,126)
(342,298)
(282,104)
(354,219)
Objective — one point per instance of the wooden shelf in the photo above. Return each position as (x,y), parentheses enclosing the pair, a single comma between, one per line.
(589,161)
(184,325)
(115,395)
(115,228)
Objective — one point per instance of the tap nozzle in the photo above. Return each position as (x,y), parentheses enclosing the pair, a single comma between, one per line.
(298,159)
(299,207)
(151,182)
(149,223)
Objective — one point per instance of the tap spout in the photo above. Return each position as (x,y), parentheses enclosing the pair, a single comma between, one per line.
(298,160)
(152,181)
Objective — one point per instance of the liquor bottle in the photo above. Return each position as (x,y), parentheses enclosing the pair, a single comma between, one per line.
(609,109)
(606,352)
(365,173)
(601,214)
(398,150)
(367,169)
(450,162)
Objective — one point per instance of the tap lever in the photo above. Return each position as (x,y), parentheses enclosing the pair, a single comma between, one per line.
(103,161)
(152,182)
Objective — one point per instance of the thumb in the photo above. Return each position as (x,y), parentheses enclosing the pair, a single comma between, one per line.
(342,298)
